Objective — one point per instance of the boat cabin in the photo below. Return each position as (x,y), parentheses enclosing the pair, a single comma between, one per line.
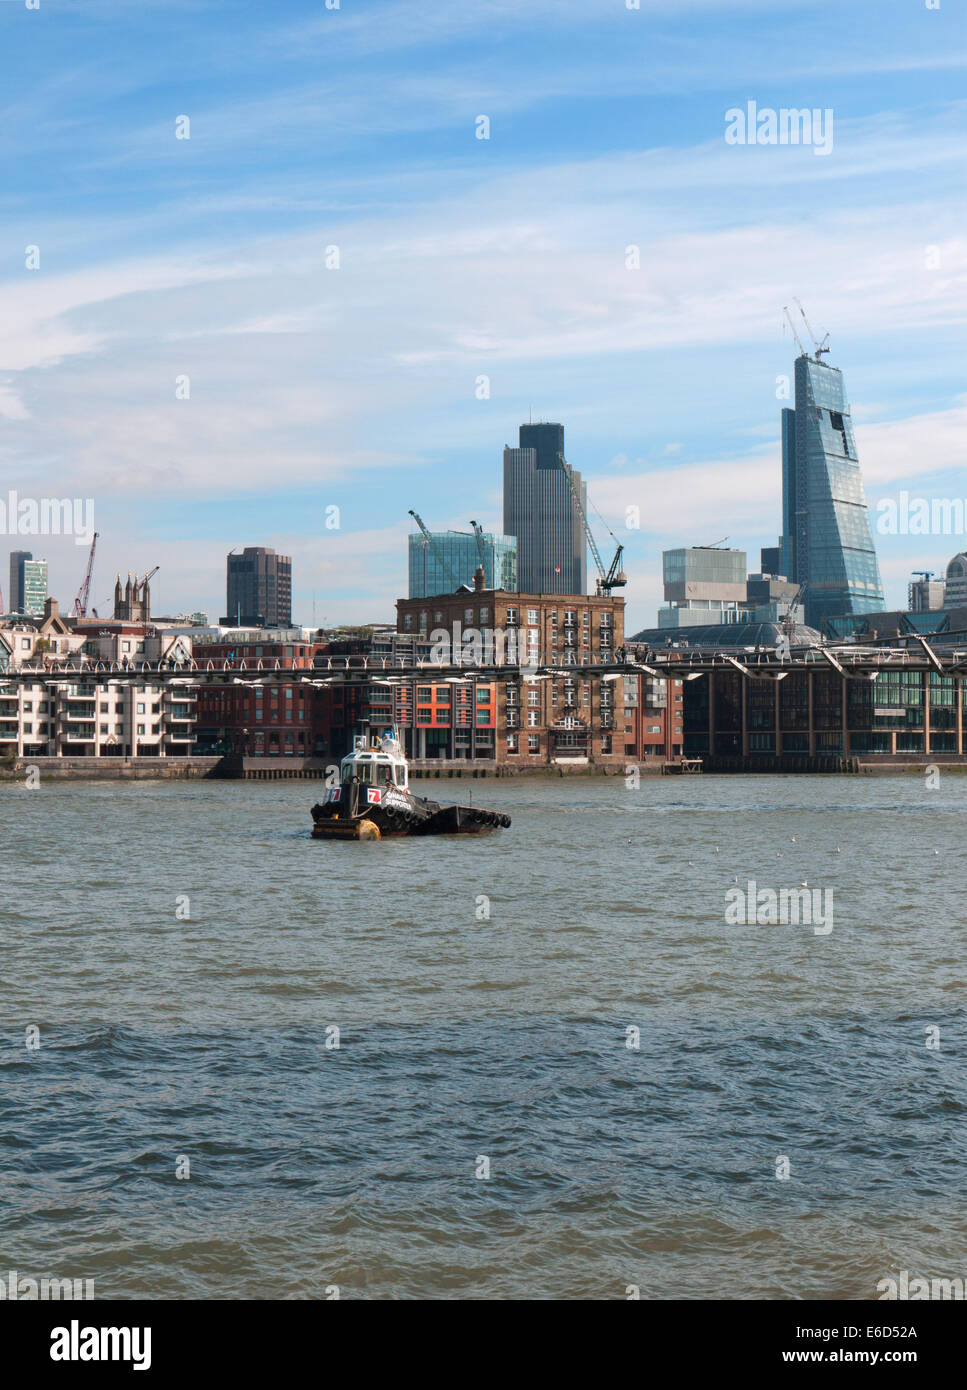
(376,762)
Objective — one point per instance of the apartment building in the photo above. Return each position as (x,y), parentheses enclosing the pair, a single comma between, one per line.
(90,714)
(540,716)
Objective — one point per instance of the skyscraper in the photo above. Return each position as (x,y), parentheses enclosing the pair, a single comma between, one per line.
(259,588)
(539,510)
(827,542)
(28,584)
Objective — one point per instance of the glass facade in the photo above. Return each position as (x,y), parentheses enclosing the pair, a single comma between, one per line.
(902,711)
(28,584)
(34,587)
(454,556)
(827,542)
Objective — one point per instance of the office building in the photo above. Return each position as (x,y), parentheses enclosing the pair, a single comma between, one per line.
(827,542)
(539,510)
(702,584)
(449,559)
(259,589)
(956,586)
(28,584)
(926,594)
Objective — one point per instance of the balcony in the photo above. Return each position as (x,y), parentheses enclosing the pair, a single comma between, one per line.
(82,733)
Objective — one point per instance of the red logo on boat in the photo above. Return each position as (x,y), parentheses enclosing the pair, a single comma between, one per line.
(373,794)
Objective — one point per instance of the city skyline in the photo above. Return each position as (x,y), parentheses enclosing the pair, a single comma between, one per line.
(474,282)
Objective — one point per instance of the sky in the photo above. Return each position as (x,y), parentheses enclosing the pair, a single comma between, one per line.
(186,352)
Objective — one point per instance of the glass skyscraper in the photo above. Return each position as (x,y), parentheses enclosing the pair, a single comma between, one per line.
(827,542)
(28,584)
(454,556)
(539,510)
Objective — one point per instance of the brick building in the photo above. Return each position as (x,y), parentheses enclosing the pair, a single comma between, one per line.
(270,720)
(539,717)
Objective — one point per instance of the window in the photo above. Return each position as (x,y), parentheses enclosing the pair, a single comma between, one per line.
(533,697)
(140,728)
(125,646)
(104,707)
(104,728)
(511,743)
(468,617)
(484,615)
(605,743)
(533,617)
(140,710)
(533,743)
(533,718)
(407,622)
(511,617)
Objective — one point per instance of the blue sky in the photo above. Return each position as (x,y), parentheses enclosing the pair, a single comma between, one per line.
(355,127)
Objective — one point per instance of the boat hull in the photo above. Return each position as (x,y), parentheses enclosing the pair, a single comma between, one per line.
(400,814)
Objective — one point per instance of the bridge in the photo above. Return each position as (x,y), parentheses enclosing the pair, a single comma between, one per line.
(671,663)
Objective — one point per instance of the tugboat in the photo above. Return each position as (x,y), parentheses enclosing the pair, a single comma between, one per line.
(374,800)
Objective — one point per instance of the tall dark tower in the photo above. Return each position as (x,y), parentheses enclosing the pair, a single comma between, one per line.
(539,510)
(259,588)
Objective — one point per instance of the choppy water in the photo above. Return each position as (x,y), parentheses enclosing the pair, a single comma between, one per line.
(313,1166)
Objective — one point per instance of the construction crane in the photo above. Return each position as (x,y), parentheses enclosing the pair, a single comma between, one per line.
(614,576)
(802,350)
(481,548)
(429,541)
(819,346)
(83,593)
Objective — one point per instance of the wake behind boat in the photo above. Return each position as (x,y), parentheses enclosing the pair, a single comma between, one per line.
(374,800)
